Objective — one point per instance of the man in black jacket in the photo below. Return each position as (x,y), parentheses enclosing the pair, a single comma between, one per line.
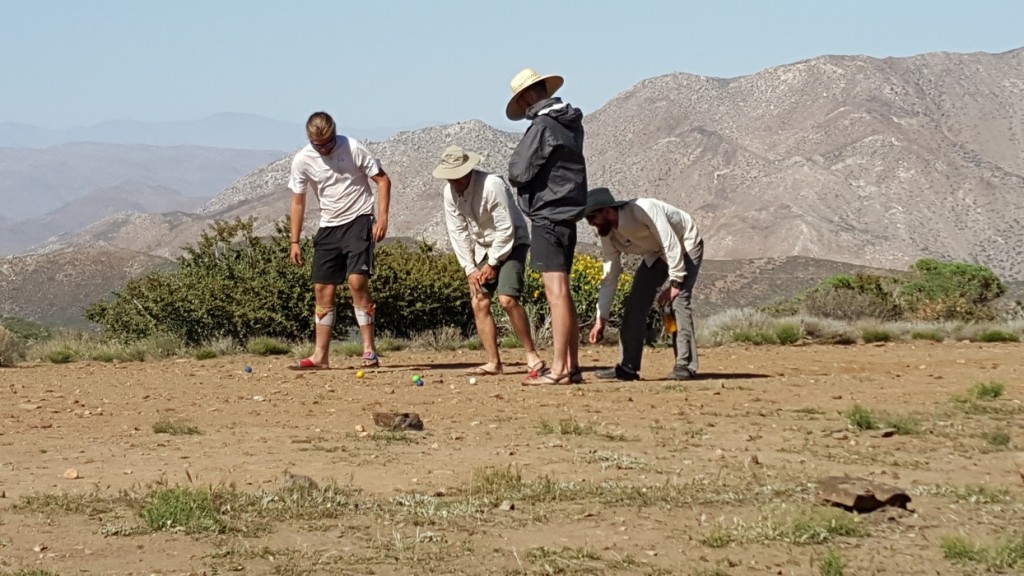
(550,174)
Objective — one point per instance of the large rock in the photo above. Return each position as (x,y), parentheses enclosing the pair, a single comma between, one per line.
(860,494)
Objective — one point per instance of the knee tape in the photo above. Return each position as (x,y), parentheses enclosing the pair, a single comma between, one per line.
(364,316)
(324,316)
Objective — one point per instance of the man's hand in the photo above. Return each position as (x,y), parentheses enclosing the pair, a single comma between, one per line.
(597,332)
(295,254)
(667,296)
(487,274)
(380,229)
(474,283)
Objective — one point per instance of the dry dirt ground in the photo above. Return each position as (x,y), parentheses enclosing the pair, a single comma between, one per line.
(708,477)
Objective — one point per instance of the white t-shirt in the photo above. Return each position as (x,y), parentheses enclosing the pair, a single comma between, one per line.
(341,179)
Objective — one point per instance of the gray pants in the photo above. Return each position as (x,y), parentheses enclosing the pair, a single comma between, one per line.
(647,282)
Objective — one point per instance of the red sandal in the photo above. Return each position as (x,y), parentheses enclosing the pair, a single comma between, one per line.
(308,364)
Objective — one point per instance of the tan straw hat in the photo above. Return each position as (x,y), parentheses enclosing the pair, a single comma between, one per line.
(522,81)
(456,163)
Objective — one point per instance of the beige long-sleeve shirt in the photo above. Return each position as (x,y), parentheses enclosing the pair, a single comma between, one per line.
(484,221)
(650,228)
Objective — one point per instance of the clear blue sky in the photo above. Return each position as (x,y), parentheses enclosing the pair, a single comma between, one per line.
(399,63)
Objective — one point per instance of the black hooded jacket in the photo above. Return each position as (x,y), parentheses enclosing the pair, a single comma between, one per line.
(547,168)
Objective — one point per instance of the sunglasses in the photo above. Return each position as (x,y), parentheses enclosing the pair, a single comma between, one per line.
(324,147)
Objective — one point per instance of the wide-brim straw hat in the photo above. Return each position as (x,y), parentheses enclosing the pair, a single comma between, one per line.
(456,163)
(526,78)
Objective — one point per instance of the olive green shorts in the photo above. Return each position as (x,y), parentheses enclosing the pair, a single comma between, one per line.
(511,273)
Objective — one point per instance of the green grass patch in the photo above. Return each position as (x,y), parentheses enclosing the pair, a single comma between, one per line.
(987,391)
(205,353)
(61,502)
(349,348)
(755,337)
(861,418)
(510,342)
(268,347)
(873,335)
(996,336)
(1006,554)
(28,572)
(903,425)
(175,427)
(999,439)
(189,510)
(927,334)
(61,356)
(571,427)
(832,564)
(788,333)
(971,494)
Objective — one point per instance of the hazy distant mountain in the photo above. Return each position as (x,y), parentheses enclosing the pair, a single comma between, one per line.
(56,289)
(34,182)
(125,197)
(225,130)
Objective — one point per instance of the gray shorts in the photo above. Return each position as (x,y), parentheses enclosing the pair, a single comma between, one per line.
(511,273)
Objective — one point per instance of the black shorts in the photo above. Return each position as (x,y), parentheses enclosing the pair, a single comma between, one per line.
(342,250)
(552,246)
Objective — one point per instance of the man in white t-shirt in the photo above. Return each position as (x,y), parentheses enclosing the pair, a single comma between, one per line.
(339,170)
(490,238)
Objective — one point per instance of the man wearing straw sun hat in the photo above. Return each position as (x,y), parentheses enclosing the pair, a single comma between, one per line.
(490,239)
(549,172)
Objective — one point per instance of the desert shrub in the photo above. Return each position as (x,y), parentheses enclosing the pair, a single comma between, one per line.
(854,297)
(828,331)
(872,334)
(755,337)
(12,348)
(205,353)
(417,289)
(927,334)
(26,330)
(949,290)
(267,347)
(996,335)
(231,284)
(736,325)
(584,285)
(788,332)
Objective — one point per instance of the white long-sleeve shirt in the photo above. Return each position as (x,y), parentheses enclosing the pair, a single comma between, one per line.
(484,221)
(653,229)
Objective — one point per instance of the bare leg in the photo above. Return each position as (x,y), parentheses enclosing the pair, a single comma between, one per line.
(324,294)
(556,288)
(521,325)
(486,329)
(359,284)
(572,360)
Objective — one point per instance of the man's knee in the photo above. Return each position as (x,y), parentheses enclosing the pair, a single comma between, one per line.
(507,302)
(556,284)
(481,303)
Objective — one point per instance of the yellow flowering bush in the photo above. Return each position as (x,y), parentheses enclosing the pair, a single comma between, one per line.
(584,285)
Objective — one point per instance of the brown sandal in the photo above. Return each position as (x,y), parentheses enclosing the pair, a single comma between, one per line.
(548,379)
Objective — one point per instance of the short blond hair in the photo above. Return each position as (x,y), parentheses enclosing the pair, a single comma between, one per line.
(320,126)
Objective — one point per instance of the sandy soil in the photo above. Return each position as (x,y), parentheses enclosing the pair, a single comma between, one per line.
(705,477)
